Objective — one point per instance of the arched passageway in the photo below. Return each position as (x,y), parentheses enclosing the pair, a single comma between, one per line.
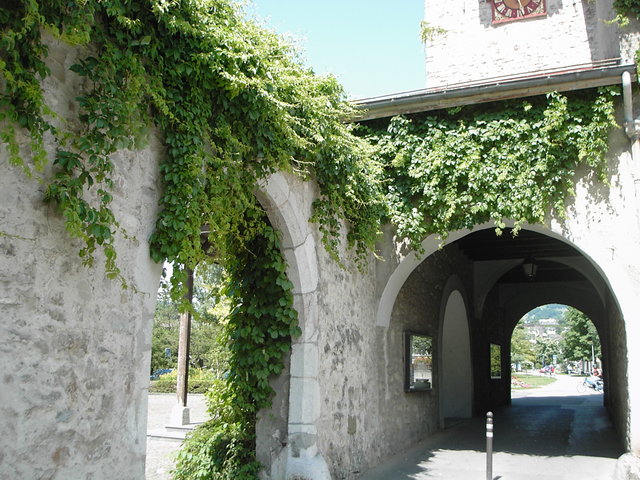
(559,274)
(554,339)
(492,294)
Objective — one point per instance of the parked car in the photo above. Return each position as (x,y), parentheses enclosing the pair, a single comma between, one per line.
(546,369)
(156,374)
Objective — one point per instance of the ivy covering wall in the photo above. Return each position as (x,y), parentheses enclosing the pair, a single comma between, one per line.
(258,334)
(450,170)
(233,103)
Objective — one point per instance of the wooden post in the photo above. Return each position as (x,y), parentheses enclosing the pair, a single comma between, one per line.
(183,346)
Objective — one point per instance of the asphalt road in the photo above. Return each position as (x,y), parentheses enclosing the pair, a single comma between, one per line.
(550,433)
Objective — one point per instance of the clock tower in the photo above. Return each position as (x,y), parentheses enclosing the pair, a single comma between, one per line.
(480,40)
(510,10)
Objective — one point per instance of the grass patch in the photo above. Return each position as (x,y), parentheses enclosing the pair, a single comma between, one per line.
(524,381)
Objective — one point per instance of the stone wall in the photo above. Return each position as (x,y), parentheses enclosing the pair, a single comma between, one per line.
(603,222)
(350,387)
(615,373)
(365,413)
(472,48)
(75,347)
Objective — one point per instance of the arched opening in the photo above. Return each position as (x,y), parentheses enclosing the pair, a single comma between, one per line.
(285,432)
(207,359)
(536,339)
(456,383)
(500,293)
(551,341)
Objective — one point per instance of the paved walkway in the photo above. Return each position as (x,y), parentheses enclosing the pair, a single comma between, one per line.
(550,433)
(161,452)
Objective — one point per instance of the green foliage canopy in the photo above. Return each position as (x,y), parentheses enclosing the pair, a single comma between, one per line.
(581,336)
(232,103)
(454,170)
(545,349)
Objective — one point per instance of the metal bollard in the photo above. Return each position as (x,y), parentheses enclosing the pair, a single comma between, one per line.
(489,446)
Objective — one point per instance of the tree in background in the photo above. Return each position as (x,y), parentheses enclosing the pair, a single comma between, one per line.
(166,323)
(545,349)
(521,347)
(580,337)
(210,309)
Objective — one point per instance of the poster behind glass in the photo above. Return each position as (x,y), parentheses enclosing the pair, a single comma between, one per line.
(495,361)
(418,362)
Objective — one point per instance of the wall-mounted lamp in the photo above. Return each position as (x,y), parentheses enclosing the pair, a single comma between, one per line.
(530,268)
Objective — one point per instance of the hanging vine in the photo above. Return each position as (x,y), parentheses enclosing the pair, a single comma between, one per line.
(233,103)
(517,160)
(258,333)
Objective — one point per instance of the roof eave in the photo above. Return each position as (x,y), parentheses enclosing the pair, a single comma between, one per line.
(426,100)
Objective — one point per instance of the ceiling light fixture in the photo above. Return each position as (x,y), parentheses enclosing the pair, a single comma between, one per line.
(530,268)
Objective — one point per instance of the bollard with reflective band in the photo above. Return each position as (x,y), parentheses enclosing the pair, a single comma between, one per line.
(489,446)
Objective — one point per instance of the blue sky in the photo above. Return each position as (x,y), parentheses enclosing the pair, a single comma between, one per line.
(372,47)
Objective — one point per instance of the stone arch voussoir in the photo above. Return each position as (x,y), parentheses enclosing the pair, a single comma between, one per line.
(287,203)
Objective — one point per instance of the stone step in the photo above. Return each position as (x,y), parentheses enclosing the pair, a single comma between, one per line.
(172,432)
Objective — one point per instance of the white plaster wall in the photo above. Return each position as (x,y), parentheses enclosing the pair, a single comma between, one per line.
(604,223)
(573,32)
(75,347)
(456,379)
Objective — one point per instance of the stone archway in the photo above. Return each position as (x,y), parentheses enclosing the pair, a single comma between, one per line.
(602,265)
(283,198)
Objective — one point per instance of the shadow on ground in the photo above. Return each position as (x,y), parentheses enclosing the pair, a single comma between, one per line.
(560,436)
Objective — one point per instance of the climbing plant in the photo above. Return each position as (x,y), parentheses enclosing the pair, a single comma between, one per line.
(232,103)
(627,8)
(455,169)
(258,333)
(230,99)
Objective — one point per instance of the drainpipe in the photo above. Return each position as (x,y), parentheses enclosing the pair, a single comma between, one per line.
(632,129)
(631,125)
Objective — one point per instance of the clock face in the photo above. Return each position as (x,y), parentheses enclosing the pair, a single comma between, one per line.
(508,10)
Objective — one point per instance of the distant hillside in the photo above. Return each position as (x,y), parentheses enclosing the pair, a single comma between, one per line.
(553,310)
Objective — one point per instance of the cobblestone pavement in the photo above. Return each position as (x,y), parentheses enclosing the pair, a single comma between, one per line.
(160,451)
